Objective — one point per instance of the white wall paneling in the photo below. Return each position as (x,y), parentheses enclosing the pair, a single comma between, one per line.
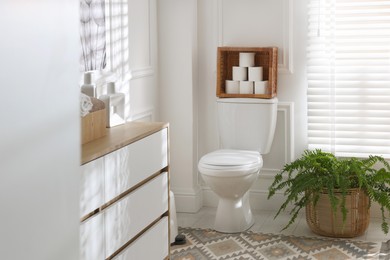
(141,59)
(129,36)
(239,25)
(140,56)
(142,72)
(282,150)
(281,23)
(117,51)
(131,53)
(287,65)
(144,116)
(139,28)
(177,26)
(117,38)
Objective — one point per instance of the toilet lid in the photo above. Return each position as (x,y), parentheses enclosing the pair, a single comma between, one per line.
(231,158)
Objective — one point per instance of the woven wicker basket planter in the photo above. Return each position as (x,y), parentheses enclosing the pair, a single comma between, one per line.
(322,221)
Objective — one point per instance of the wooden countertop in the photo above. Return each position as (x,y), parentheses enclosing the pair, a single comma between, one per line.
(118,137)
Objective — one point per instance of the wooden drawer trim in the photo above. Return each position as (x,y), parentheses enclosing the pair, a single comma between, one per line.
(124,194)
(118,137)
(137,236)
(90,215)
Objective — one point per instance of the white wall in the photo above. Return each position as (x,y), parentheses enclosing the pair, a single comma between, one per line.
(177,28)
(39,133)
(132,57)
(280,23)
(252,23)
(143,59)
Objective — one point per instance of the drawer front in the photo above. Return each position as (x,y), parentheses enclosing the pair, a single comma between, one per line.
(153,244)
(92,238)
(133,213)
(134,163)
(91,186)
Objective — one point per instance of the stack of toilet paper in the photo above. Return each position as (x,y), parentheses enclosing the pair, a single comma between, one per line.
(247,78)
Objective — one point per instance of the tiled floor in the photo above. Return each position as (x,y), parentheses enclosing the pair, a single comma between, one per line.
(265,223)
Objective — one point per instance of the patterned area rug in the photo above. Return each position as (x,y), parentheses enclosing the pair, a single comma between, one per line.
(205,244)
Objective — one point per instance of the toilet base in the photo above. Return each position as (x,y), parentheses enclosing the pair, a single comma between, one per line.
(233,215)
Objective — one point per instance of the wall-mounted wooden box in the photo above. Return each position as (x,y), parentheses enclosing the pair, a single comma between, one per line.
(228,57)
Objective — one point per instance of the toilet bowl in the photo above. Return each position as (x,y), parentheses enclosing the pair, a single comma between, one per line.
(246,128)
(230,174)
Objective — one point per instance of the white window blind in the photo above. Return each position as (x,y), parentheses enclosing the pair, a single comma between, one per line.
(348,69)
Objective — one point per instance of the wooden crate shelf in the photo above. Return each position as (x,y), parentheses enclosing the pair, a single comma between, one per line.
(266,57)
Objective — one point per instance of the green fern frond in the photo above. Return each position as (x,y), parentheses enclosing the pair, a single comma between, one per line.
(302,181)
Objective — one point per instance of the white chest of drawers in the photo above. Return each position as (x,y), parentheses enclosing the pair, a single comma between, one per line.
(124,202)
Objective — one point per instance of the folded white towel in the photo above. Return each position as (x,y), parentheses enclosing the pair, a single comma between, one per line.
(85,104)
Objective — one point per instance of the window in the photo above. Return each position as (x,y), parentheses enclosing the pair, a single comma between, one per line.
(348,69)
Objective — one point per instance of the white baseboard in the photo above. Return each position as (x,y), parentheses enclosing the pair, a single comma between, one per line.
(258,201)
(188,201)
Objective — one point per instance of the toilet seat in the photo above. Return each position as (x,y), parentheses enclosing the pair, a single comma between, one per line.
(225,162)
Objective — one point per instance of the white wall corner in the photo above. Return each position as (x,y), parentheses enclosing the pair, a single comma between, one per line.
(188,200)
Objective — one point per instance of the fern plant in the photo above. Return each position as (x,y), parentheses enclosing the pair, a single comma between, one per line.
(316,172)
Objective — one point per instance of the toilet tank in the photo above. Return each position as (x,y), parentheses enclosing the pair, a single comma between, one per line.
(247,123)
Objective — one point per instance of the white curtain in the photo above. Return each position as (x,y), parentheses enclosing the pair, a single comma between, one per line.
(93,34)
(348,69)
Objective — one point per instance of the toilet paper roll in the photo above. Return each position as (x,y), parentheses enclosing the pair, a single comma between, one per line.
(261,87)
(240,73)
(232,87)
(246,87)
(255,73)
(247,59)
